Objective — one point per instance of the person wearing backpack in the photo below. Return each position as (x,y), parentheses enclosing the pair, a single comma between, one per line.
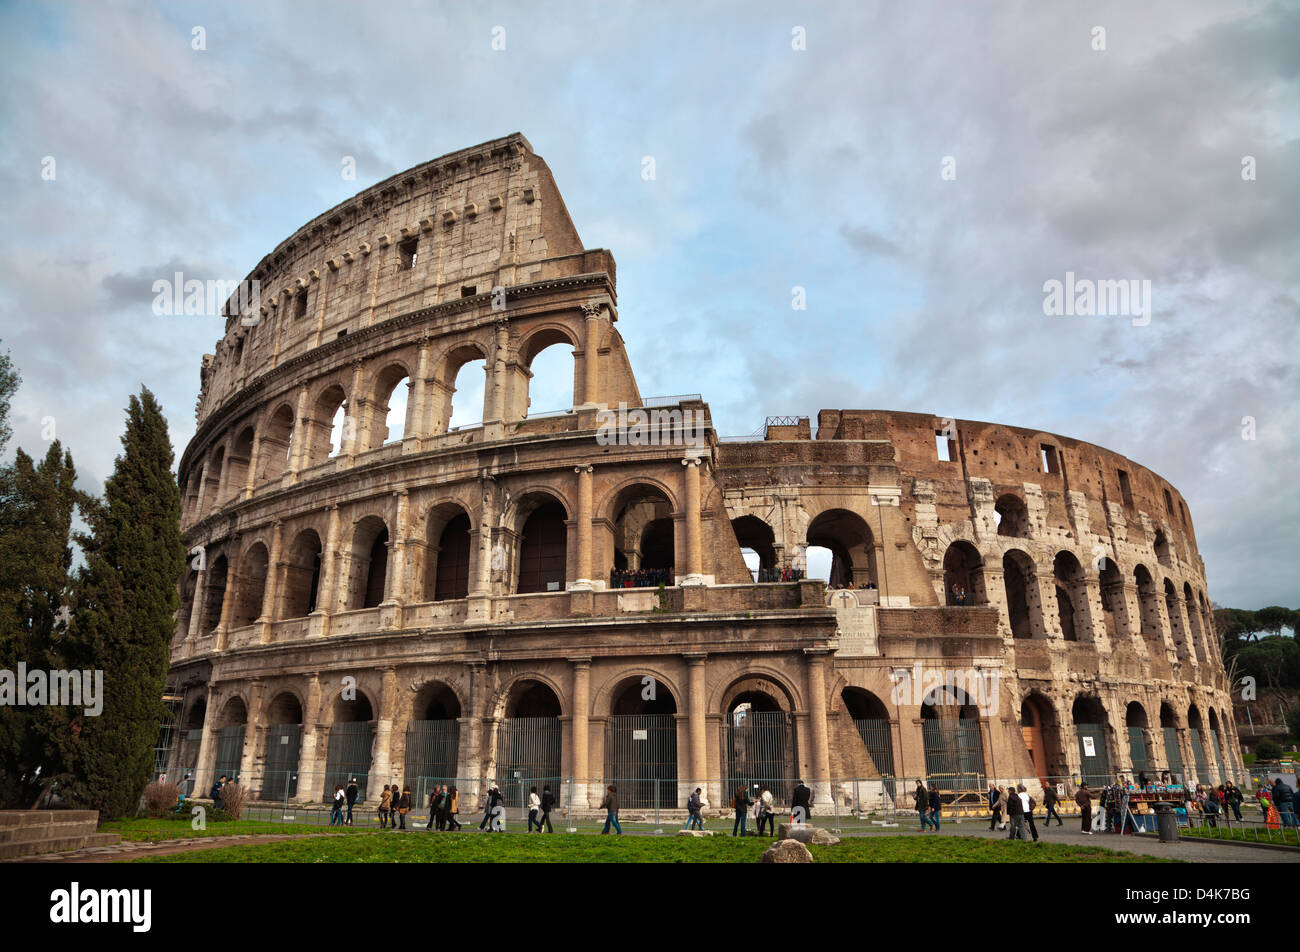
(534,810)
(336,814)
(351,796)
(404,805)
(548,804)
(741,804)
(693,806)
(385,806)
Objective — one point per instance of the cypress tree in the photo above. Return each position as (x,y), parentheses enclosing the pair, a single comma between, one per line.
(36,504)
(123,616)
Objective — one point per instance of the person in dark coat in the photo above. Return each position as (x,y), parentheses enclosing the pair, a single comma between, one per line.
(494,798)
(741,803)
(994,795)
(610,806)
(548,804)
(921,799)
(936,805)
(351,796)
(1050,799)
(1084,799)
(1015,813)
(404,805)
(802,799)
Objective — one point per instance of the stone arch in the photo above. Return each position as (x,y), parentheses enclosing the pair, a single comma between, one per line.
(212,481)
(241,455)
(254,568)
(542,552)
(1012,516)
(643,520)
(351,743)
(367,564)
(1173,608)
(852,546)
(953,742)
(1024,604)
(873,754)
(1160,545)
(963,570)
(1197,629)
(1148,609)
(321,429)
(537,340)
(1071,597)
(448,553)
(1114,605)
(1040,728)
(277,442)
(188,588)
(758,735)
(1141,754)
(214,593)
(641,742)
(283,715)
(375,427)
(757,537)
(1091,727)
(433,737)
(528,742)
(234,713)
(448,376)
(302,575)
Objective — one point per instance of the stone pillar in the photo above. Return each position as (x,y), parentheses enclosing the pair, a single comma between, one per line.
(581,729)
(228,596)
(472,755)
(301,437)
(417,415)
(271,591)
(590,359)
(479,606)
(584,579)
(254,460)
(698,700)
(223,481)
(311,765)
(207,744)
(200,597)
(327,588)
(253,731)
(382,771)
(355,437)
(691,501)
(821,759)
(394,592)
(495,395)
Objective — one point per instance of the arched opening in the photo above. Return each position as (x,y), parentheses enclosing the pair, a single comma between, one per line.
(871,725)
(1139,744)
(547,369)
(644,542)
(1161,547)
(1042,737)
(241,454)
(277,440)
(192,494)
(326,426)
(368,564)
(283,743)
(1196,737)
(1173,609)
(543,544)
(386,421)
(351,739)
(432,739)
(1196,632)
(1114,607)
(447,553)
(1173,752)
(1216,746)
(188,587)
(1071,596)
(230,738)
(954,746)
(759,738)
(1089,716)
(528,741)
(212,484)
(252,586)
(1148,608)
(757,547)
(963,575)
(1011,516)
(464,389)
(214,593)
(641,743)
(1024,609)
(852,548)
(302,575)
(191,743)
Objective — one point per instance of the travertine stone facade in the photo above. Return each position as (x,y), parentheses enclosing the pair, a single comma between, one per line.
(463,578)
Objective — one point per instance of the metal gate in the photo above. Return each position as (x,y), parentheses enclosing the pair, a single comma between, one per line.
(230,751)
(641,757)
(1137,750)
(1173,755)
(1198,755)
(350,745)
(1217,745)
(283,742)
(879,741)
(954,754)
(528,755)
(431,749)
(760,749)
(1094,768)
(189,761)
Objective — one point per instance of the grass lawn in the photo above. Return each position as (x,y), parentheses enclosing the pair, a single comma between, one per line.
(578,848)
(151,830)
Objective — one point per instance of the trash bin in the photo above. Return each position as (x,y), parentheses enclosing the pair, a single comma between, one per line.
(1166,822)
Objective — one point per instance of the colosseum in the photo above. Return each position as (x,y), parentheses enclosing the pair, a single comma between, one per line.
(613,592)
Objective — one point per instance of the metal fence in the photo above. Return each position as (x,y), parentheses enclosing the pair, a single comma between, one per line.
(641,759)
(528,753)
(1093,758)
(761,745)
(954,754)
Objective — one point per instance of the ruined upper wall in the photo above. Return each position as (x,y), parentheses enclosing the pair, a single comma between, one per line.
(1010,457)
(482,217)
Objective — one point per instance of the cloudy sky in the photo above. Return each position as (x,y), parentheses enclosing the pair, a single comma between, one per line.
(775,168)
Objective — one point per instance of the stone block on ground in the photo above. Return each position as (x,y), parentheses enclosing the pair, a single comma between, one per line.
(786,851)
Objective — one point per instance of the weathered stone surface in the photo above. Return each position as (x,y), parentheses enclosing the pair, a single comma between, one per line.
(807,834)
(786,851)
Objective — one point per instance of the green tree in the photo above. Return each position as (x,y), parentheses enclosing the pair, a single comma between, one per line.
(1274,618)
(36,505)
(1267,750)
(9,381)
(124,604)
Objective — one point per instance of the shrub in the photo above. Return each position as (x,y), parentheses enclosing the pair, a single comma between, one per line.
(161,797)
(1267,750)
(233,797)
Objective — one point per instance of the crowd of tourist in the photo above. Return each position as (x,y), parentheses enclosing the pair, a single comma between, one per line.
(640,578)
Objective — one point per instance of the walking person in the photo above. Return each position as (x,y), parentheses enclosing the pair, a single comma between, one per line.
(994,795)
(1234,799)
(936,805)
(1015,814)
(494,799)
(694,804)
(921,799)
(534,810)
(351,796)
(766,813)
(435,798)
(336,814)
(741,804)
(404,805)
(385,806)
(453,808)
(610,806)
(1028,803)
(1084,799)
(1050,799)
(548,804)
(801,801)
